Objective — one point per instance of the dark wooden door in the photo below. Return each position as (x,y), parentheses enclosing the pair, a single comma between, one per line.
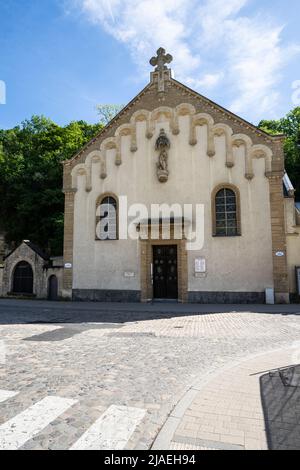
(52,288)
(165,272)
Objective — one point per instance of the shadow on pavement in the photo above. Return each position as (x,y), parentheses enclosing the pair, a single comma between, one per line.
(36,311)
(280,393)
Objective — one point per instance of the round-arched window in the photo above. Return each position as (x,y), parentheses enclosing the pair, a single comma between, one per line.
(226,213)
(107,215)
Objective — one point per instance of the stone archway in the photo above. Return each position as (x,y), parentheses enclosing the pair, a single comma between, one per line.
(23,278)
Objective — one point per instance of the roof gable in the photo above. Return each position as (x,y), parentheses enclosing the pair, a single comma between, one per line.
(36,249)
(174,94)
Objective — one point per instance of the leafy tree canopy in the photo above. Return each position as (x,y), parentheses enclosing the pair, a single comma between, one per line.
(31,198)
(290,126)
(108,111)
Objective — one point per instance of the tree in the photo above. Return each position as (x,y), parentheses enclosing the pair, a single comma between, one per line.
(290,126)
(31,198)
(108,111)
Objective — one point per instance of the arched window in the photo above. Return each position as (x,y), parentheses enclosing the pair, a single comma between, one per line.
(23,278)
(107,218)
(226,213)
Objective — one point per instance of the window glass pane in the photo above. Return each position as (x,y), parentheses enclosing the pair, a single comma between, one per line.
(220,209)
(221,223)
(226,217)
(221,194)
(230,199)
(231,223)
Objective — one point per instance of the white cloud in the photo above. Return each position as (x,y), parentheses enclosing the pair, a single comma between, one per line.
(208,81)
(202,34)
(145,25)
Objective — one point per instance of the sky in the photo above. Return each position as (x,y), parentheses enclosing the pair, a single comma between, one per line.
(61,58)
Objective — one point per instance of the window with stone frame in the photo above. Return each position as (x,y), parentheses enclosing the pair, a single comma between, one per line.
(226,213)
(107,219)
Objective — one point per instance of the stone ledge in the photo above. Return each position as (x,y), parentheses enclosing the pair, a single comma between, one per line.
(226,297)
(106,295)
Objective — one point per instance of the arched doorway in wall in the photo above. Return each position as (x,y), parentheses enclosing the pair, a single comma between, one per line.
(52,288)
(23,278)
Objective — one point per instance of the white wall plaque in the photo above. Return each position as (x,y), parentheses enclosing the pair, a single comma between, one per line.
(68,266)
(200,265)
(129,274)
(280,254)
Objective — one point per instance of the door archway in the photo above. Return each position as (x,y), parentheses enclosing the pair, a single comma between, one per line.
(23,278)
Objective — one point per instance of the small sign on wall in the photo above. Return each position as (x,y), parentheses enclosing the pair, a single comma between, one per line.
(68,266)
(200,266)
(129,274)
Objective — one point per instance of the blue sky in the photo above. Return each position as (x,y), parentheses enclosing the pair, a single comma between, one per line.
(61,58)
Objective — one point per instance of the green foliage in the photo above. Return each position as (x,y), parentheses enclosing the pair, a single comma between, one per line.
(31,198)
(108,111)
(290,126)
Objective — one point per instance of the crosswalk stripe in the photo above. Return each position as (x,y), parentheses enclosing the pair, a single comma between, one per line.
(112,430)
(5,395)
(23,427)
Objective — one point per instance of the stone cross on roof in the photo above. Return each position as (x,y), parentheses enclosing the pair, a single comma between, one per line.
(161,59)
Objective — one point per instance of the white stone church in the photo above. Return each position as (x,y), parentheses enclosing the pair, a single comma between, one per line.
(171,146)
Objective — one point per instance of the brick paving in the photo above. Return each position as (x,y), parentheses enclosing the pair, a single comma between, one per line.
(228,410)
(133,358)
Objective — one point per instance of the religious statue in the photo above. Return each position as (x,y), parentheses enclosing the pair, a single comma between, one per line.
(162,145)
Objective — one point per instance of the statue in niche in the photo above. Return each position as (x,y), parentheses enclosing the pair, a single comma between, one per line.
(162,145)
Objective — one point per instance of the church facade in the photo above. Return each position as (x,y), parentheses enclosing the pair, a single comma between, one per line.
(223,182)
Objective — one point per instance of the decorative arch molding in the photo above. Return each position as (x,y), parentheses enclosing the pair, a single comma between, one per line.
(172,115)
(224,129)
(242,140)
(140,116)
(96,157)
(81,170)
(203,119)
(262,151)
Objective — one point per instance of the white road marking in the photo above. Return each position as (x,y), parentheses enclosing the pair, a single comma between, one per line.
(5,395)
(23,427)
(112,431)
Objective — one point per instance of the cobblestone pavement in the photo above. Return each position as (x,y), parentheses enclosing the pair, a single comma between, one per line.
(128,368)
